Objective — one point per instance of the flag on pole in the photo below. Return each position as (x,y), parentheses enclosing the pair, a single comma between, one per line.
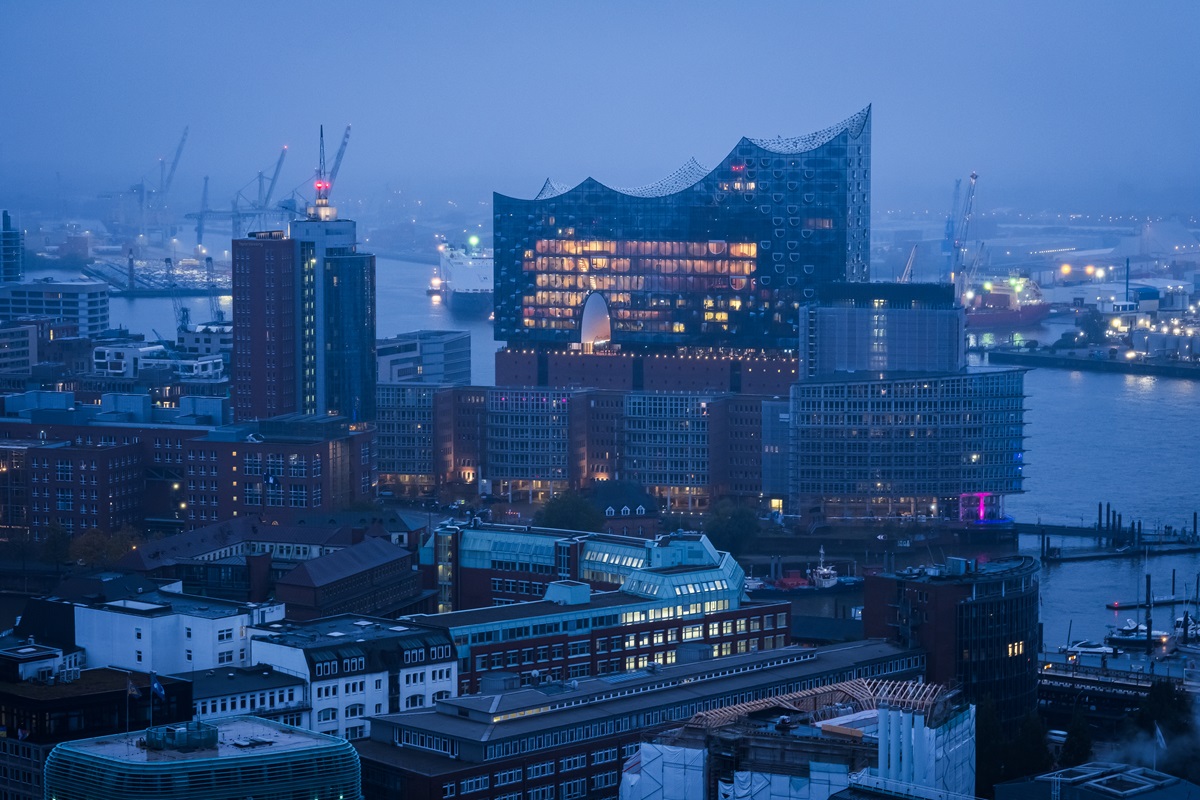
(132,690)
(1158,737)
(157,687)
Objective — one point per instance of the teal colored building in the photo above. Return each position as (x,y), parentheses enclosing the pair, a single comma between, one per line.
(236,758)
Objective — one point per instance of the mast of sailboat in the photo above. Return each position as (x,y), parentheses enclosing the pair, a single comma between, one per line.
(1149,614)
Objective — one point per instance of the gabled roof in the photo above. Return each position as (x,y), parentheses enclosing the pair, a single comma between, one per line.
(345,563)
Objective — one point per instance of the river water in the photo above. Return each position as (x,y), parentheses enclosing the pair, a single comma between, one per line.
(1092,437)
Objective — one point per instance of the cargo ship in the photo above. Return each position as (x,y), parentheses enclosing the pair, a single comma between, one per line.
(1003,304)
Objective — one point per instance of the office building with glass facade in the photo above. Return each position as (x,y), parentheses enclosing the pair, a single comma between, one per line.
(12,250)
(888,421)
(704,258)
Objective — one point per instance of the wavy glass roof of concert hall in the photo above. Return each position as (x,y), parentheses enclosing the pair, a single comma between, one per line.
(693,173)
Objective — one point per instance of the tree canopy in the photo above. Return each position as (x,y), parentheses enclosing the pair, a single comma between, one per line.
(102,549)
(731,528)
(571,511)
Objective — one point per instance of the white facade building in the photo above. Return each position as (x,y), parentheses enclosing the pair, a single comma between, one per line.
(168,632)
(359,667)
(128,360)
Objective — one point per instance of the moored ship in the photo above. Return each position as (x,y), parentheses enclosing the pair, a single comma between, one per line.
(467,279)
(1004,303)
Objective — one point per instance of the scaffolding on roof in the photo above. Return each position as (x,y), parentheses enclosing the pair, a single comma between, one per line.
(826,702)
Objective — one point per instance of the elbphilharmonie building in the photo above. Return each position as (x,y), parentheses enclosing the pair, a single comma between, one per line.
(705,258)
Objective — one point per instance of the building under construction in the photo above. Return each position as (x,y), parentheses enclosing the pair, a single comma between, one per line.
(869,733)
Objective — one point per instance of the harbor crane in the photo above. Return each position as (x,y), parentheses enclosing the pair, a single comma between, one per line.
(906,276)
(242,209)
(159,214)
(202,215)
(167,178)
(960,237)
(260,213)
(142,209)
(216,313)
(337,160)
(183,314)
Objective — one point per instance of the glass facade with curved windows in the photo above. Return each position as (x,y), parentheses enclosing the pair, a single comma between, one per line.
(703,258)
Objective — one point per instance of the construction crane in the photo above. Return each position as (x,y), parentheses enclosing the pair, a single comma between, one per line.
(906,276)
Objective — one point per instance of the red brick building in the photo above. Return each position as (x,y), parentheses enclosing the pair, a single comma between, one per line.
(264,325)
(674,591)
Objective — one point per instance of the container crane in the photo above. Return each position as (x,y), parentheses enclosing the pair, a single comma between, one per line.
(242,209)
(906,276)
(201,215)
(167,178)
(960,238)
(259,211)
(216,313)
(183,314)
(159,214)
(337,161)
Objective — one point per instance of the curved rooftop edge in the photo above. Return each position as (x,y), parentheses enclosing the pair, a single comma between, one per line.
(692,172)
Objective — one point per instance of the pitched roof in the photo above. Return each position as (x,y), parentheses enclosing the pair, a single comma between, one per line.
(345,563)
(621,494)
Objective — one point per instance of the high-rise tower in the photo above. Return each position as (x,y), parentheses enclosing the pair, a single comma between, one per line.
(304,317)
(12,250)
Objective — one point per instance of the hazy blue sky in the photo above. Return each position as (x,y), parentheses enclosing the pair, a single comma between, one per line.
(1068,105)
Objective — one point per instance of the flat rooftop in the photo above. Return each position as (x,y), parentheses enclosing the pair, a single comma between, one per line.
(964,571)
(237,737)
(494,615)
(330,631)
(227,681)
(521,711)
(148,604)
